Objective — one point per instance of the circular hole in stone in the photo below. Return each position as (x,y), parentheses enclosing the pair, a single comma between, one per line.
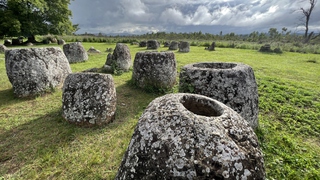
(215,65)
(201,106)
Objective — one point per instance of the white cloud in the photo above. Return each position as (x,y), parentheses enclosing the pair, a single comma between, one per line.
(161,15)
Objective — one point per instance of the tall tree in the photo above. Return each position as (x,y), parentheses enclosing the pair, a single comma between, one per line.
(35,17)
(307,15)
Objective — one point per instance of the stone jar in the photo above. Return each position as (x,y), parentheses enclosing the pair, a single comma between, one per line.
(34,71)
(233,84)
(120,59)
(153,44)
(174,45)
(154,70)
(89,99)
(75,52)
(184,47)
(190,136)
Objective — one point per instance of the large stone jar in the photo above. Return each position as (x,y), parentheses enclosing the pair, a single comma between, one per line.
(190,136)
(89,99)
(156,70)
(33,71)
(233,84)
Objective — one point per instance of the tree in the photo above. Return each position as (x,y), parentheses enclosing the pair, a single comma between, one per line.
(307,14)
(35,17)
(274,34)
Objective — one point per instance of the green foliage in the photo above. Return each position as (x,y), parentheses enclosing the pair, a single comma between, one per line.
(35,17)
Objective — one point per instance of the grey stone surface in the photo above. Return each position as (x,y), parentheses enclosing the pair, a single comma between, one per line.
(3,48)
(154,70)
(184,46)
(89,99)
(93,50)
(190,136)
(120,58)
(61,42)
(33,71)
(153,44)
(233,84)
(75,52)
(143,44)
(212,46)
(174,45)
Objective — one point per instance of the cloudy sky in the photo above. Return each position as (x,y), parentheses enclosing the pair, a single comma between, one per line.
(208,16)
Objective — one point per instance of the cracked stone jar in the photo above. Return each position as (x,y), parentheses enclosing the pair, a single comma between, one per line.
(89,99)
(233,84)
(191,136)
(154,70)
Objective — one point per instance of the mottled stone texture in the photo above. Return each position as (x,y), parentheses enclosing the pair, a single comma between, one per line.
(190,136)
(184,46)
(233,84)
(75,52)
(33,71)
(174,45)
(3,48)
(89,99)
(143,44)
(154,70)
(153,44)
(120,59)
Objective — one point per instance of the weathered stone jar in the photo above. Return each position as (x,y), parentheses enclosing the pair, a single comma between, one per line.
(233,84)
(154,70)
(33,71)
(75,52)
(190,136)
(89,99)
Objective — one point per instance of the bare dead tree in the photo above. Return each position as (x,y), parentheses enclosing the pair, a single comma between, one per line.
(307,15)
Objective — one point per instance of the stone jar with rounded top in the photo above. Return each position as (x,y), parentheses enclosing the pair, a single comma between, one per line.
(34,71)
(233,84)
(191,136)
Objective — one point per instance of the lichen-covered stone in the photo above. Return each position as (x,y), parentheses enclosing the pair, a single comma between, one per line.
(190,136)
(75,52)
(174,45)
(154,70)
(89,99)
(120,59)
(33,71)
(3,48)
(153,44)
(184,46)
(233,84)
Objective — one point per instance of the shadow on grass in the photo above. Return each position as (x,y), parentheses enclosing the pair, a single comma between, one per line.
(8,98)
(29,145)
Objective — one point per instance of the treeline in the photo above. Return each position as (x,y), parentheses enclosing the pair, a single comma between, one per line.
(272,36)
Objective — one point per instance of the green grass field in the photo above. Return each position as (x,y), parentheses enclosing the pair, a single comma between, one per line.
(37,143)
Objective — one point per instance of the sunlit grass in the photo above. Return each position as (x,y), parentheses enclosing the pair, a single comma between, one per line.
(37,143)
